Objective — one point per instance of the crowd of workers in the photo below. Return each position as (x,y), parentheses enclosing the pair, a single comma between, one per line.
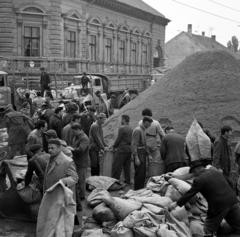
(60,141)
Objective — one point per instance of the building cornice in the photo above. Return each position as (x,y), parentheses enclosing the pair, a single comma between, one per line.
(129,11)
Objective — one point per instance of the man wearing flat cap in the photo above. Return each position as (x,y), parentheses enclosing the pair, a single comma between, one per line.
(96,143)
(221,198)
(67,134)
(140,152)
(59,167)
(55,121)
(50,134)
(87,119)
(37,164)
(80,150)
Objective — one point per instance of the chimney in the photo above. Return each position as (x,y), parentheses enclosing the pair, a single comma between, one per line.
(203,33)
(190,28)
(214,37)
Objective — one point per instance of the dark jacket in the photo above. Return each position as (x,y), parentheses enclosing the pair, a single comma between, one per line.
(222,155)
(86,122)
(215,189)
(15,123)
(45,79)
(173,148)
(96,140)
(55,123)
(124,139)
(81,146)
(37,164)
(71,109)
(67,134)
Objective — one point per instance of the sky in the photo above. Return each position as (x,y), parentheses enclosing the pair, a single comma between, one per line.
(182,15)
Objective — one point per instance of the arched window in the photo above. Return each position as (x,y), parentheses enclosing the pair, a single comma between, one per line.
(95,21)
(33,9)
(157,57)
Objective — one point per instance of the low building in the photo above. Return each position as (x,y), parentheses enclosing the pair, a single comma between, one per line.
(187,43)
(120,38)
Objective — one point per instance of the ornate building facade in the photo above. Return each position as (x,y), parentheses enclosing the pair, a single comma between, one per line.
(105,36)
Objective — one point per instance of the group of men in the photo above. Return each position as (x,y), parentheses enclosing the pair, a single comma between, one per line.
(60,146)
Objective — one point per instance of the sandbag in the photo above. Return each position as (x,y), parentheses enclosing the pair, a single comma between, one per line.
(153,208)
(121,231)
(139,218)
(196,228)
(155,199)
(180,214)
(182,173)
(103,213)
(163,231)
(157,184)
(179,227)
(140,192)
(95,197)
(95,233)
(143,231)
(120,207)
(30,194)
(173,193)
(198,143)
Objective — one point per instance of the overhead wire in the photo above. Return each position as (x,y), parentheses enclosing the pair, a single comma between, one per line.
(205,11)
(225,6)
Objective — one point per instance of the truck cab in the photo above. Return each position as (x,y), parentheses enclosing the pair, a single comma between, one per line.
(5,91)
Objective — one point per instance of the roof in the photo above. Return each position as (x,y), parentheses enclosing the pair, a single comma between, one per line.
(185,44)
(139,4)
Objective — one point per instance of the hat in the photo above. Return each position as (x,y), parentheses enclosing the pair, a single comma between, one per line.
(92,108)
(102,115)
(147,119)
(55,142)
(25,104)
(195,164)
(51,133)
(35,147)
(59,108)
(63,143)
(76,126)
(8,109)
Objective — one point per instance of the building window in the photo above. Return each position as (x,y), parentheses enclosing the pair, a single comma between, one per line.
(31,41)
(93,48)
(71,44)
(108,50)
(145,54)
(122,51)
(134,53)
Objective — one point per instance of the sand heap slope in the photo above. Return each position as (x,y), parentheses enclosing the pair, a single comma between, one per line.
(205,86)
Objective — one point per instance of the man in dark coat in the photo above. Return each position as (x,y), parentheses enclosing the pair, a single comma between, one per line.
(87,119)
(45,80)
(222,151)
(15,123)
(222,200)
(55,121)
(173,150)
(140,152)
(71,109)
(80,150)
(84,81)
(96,144)
(123,153)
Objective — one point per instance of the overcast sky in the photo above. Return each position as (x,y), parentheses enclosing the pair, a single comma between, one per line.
(181,16)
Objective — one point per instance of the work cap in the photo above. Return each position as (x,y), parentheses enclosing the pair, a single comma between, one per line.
(55,142)
(63,143)
(35,147)
(58,109)
(76,126)
(92,108)
(102,115)
(51,133)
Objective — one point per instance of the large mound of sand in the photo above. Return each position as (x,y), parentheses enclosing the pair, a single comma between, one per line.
(205,86)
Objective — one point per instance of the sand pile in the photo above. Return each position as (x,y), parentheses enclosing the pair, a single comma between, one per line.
(205,86)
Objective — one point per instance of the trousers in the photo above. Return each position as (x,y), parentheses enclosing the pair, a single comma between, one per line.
(95,162)
(230,214)
(82,175)
(122,160)
(140,170)
(46,88)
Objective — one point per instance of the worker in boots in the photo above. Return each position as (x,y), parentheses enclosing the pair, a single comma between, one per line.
(221,198)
